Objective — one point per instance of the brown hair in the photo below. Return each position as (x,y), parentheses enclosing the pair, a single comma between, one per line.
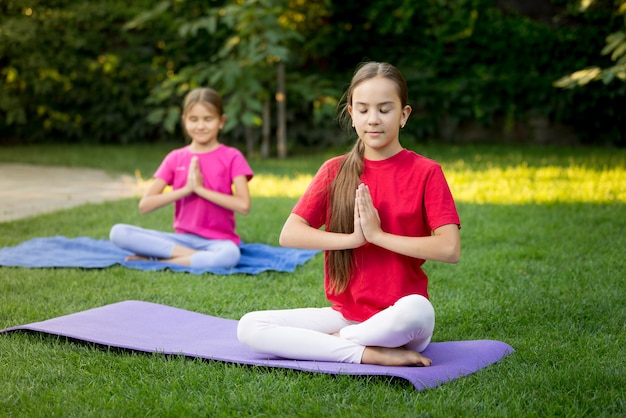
(343,188)
(205,96)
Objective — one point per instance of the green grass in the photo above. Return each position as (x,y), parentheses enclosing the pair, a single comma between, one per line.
(542,269)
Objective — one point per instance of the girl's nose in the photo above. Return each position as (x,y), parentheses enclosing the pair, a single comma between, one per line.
(374,118)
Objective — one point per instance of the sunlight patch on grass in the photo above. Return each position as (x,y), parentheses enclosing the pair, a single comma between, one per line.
(518,184)
(268,185)
(502,185)
(263,185)
(548,184)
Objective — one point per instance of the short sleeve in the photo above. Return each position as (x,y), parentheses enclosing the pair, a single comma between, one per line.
(439,205)
(314,204)
(166,170)
(240,166)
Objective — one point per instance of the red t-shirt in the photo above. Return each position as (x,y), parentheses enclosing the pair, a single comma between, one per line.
(412,197)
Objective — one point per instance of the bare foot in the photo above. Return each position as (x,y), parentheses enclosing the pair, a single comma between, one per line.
(386,356)
(136,258)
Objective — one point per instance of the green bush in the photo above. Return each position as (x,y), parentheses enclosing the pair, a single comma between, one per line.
(504,72)
(71,73)
(79,72)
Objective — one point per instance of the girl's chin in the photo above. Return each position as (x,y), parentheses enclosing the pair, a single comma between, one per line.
(377,142)
(203,140)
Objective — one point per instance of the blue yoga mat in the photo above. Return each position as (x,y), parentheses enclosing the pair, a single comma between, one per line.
(85,252)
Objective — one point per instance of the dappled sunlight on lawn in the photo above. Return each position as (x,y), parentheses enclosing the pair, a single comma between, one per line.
(549,184)
(262,185)
(512,184)
(268,185)
(509,185)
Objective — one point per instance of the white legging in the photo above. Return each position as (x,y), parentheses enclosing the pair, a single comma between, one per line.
(159,244)
(305,334)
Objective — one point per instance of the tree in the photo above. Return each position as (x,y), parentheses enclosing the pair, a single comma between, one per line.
(615,47)
(258,37)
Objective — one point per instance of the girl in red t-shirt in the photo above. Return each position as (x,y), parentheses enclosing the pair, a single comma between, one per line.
(385,211)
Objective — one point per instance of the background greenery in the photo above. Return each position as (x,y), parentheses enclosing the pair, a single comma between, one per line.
(542,270)
(542,266)
(115,71)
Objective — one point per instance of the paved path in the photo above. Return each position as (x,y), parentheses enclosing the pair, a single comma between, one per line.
(27,190)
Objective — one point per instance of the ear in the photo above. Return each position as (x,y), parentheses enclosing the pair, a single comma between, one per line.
(222,121)
(350,109)
(406,112)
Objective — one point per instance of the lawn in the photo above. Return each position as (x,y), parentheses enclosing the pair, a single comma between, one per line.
(542,269)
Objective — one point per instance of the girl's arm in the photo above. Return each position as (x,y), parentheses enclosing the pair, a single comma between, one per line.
(154,198)
(443,245)
(238,202)
(297,233)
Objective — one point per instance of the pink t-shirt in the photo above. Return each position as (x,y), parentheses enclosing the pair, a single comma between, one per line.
(193,214)
(412,197)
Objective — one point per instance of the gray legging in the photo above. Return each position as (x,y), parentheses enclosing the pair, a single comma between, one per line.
(158,244)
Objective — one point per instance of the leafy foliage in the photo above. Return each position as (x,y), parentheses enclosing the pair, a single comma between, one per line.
(616,48)
(115,72)
(70,72)
(254,37)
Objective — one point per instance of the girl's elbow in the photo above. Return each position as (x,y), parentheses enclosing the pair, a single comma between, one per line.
(454,255)
(449,244)
(293,232)
(450,252)
(283,241)
(285,238)
(143,209)
(244,209)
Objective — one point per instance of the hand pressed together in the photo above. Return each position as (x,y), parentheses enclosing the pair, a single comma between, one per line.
(366,216)
(195,181)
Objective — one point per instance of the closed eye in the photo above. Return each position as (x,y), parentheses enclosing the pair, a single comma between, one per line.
(381,111)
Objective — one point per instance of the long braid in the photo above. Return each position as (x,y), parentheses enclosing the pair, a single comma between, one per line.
(342,219)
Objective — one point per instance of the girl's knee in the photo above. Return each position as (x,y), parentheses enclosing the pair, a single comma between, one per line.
(415,311)
(226,255)
(118,232)
(230,253)
(247,327)
(415,303)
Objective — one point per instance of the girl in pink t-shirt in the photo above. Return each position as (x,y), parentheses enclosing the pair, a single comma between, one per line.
(202,175)
(385,211)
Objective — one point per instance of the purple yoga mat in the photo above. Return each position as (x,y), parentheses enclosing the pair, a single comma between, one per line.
(150,327)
